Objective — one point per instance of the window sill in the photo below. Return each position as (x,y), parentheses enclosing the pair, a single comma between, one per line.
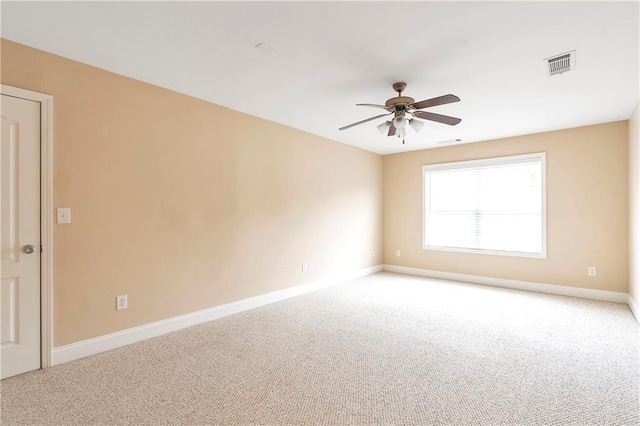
(542,255)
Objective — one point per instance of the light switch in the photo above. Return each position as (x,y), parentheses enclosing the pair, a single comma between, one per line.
(64,215)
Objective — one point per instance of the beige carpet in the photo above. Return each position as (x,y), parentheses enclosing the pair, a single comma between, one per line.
(385,349)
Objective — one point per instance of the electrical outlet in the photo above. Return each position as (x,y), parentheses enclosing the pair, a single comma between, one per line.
(592,271)
(121,302)
(398,253)
(373,253)
(304,267)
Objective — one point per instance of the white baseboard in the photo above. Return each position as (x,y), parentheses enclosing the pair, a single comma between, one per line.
(587,293)
(635,308)
(107,342)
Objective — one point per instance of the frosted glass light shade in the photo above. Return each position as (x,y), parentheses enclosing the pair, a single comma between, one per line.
(416,124)
(399,122)
(384,127)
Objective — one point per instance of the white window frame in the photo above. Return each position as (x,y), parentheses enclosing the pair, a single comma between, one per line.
(488,162)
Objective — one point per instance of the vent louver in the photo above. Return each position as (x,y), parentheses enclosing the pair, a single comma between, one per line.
(561,63)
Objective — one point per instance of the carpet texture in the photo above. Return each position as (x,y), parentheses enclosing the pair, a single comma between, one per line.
(384,349)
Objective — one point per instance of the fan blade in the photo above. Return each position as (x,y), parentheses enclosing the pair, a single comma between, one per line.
(363,121)
(441,100)
(445,119)
(392,130)
(374,106)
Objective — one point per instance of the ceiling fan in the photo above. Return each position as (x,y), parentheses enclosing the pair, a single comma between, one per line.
(405,111)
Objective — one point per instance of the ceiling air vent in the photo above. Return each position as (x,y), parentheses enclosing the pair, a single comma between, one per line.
(560,63)
(449,141)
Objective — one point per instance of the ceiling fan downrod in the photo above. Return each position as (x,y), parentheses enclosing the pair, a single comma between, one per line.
(399,87)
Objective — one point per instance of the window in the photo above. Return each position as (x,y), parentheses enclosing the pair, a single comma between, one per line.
(494,206)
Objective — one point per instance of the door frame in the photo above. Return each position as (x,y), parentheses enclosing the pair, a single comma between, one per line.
(46,216)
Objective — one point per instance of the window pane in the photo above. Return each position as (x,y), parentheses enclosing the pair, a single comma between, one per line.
(452,191)
(504,232)
(450,230)
(509,188)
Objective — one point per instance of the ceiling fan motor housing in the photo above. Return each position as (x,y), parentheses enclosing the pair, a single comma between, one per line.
(399,101)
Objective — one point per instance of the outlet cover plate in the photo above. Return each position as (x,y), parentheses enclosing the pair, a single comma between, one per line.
(121,302)
(63,215)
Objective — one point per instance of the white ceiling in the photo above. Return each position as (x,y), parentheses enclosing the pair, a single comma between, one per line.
(329,56)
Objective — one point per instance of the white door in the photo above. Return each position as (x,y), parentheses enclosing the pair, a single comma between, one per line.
(20,207)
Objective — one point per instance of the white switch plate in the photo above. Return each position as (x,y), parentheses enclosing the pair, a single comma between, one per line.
(64,215)
(398,253)
(304,267)
(373,253)
(121,302)
(592,271)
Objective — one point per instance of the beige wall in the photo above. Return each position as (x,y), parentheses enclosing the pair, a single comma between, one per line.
(634,206)
(184,205)
(587,209)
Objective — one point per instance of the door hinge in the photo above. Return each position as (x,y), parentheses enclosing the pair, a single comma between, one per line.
(41,248)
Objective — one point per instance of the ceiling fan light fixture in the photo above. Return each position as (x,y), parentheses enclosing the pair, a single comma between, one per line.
(399,122)
(384,127)
(416,125)
(401,133)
